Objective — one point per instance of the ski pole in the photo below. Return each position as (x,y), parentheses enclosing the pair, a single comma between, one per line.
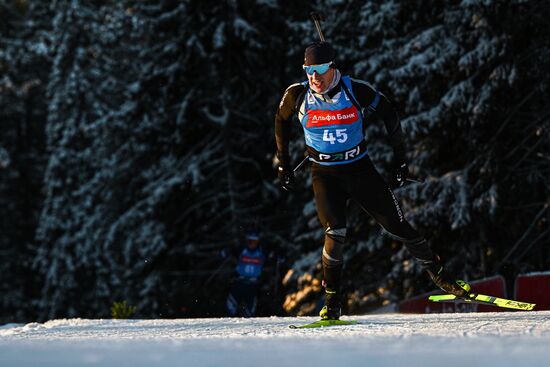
(416,180)
(301,163)
(215,273)
(317,18)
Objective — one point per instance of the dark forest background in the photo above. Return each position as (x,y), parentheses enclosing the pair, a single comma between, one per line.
(137,142)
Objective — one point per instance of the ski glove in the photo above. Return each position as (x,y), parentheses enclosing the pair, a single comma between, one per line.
(286,177)
(401,174)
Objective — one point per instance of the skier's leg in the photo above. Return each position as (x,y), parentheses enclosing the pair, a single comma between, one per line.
(331,201)
(236,298)
(231,305)
(380,202)
(333,261)
(249,307)
(376,198)
(332,257)
(249,299)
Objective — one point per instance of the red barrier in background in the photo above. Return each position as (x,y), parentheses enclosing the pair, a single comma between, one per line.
(534,288)
(494,286)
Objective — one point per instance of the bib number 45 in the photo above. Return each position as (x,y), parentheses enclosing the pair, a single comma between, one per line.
(339,135)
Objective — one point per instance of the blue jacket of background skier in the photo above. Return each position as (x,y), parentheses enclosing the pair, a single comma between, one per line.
(251,263)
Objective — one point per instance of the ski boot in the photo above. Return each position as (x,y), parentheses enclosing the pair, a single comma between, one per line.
(332,309)
(444,281)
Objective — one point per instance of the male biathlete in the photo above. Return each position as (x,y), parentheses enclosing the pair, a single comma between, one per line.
(333,110)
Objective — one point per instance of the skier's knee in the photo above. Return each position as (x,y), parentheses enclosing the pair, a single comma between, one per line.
(332,250)
(336,234)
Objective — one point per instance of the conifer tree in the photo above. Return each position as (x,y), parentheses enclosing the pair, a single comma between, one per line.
(24,61)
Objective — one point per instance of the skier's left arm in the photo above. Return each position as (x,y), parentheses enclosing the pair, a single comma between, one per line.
(385,110)
(388,114)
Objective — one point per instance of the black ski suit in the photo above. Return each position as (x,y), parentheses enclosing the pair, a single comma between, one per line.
(333,185)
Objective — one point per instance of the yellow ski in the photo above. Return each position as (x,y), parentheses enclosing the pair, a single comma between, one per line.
(484,300)
(324,323)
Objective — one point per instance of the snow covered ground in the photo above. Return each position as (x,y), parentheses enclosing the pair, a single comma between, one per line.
(474,339)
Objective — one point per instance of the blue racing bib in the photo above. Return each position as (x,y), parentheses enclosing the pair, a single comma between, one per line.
(333,130)
(251,263)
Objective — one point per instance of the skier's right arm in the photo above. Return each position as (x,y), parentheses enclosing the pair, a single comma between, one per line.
(283,121)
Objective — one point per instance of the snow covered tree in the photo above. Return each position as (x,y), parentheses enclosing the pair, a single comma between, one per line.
(24,64)
(148,127)
(152,169)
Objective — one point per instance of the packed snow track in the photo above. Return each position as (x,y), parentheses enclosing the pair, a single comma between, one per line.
(467,339)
